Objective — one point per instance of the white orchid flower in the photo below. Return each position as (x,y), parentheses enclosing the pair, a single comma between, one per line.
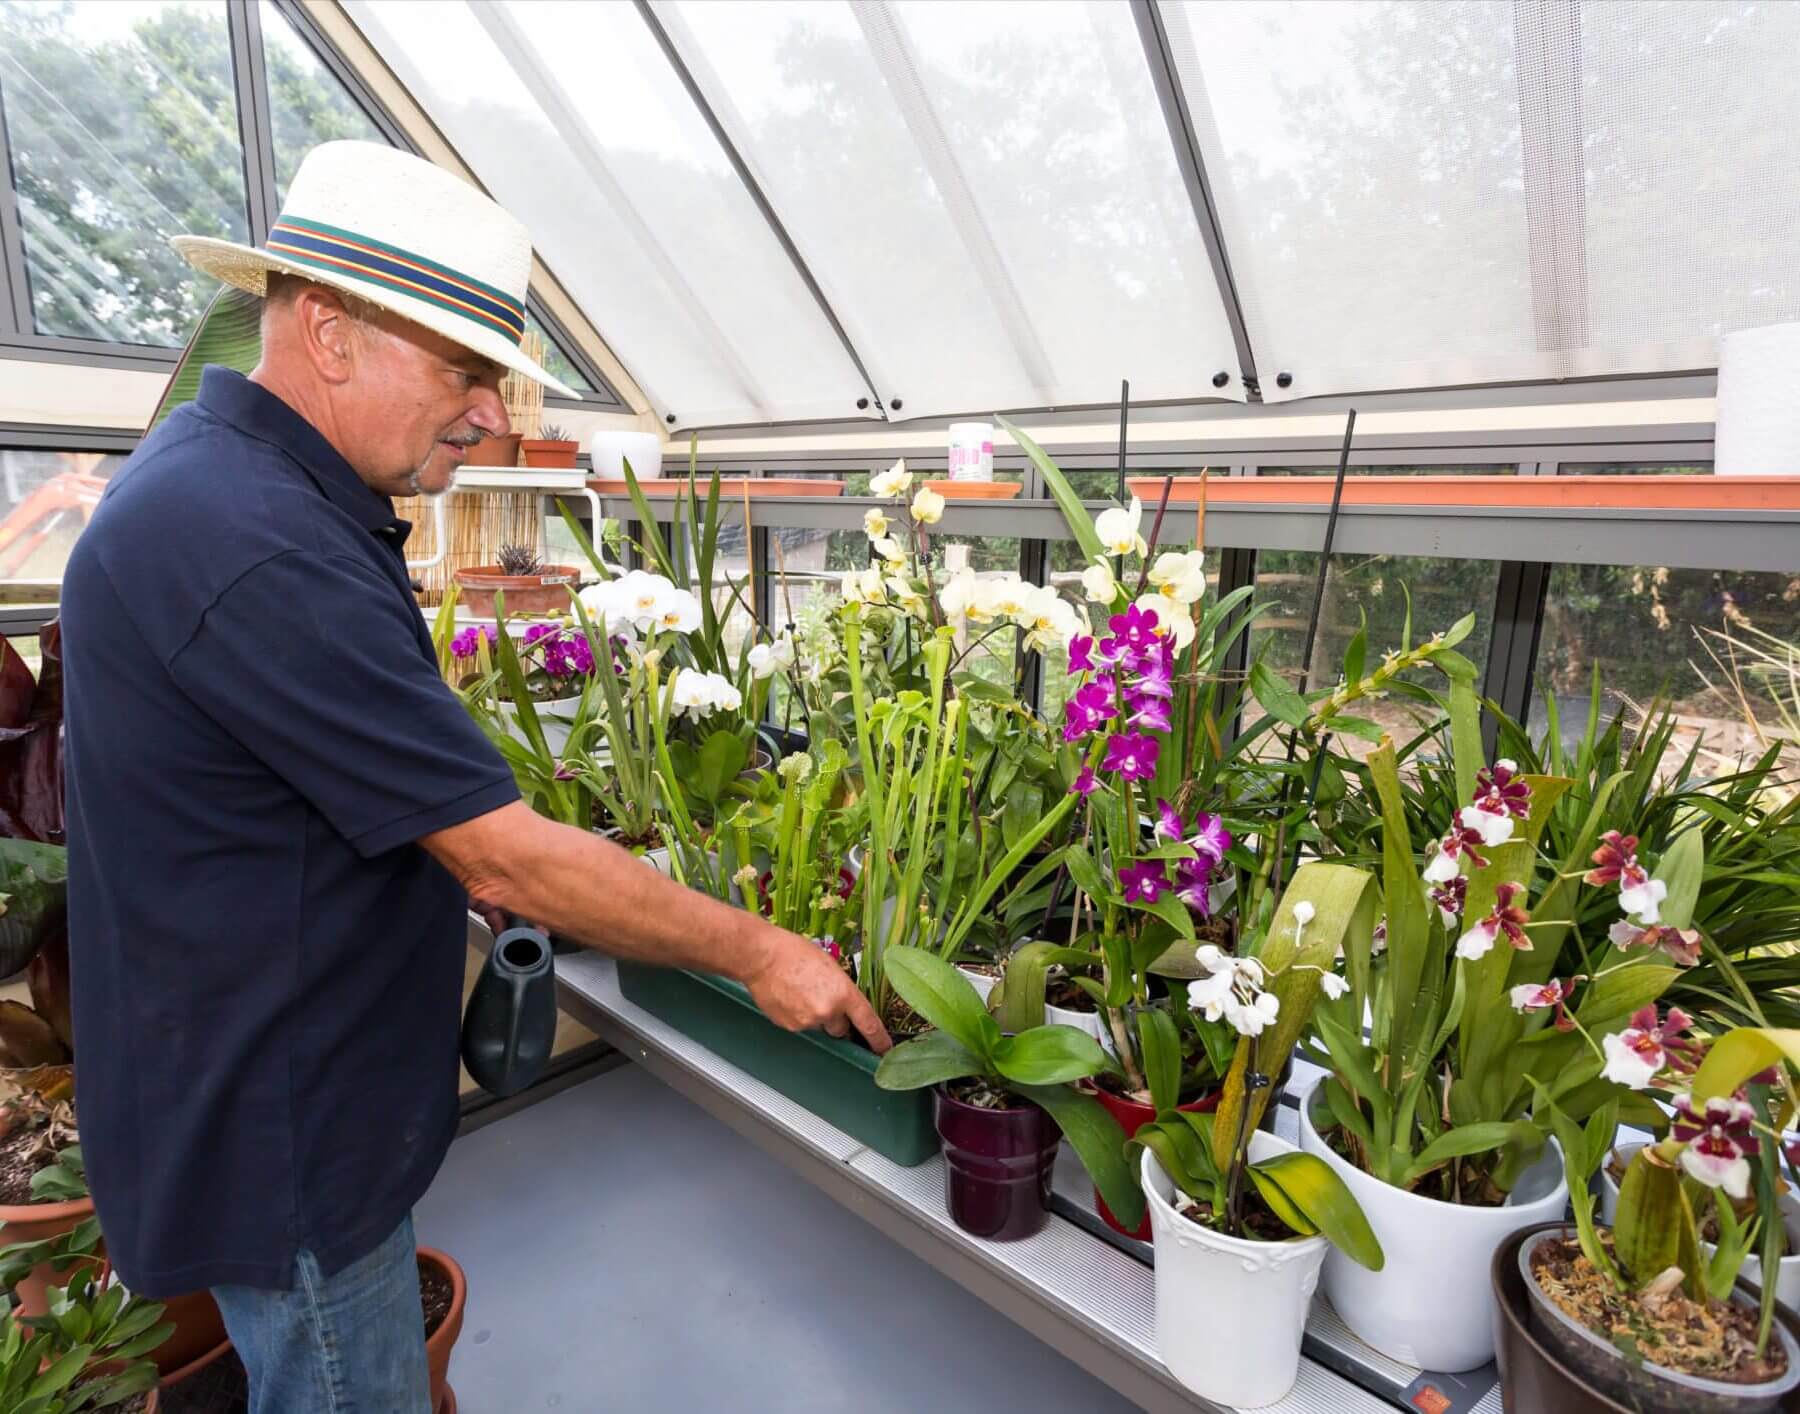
(1644,901)
(1252,1017)
(1004,596)
(888,549)
(958,594)
(875,524)
(1494,826)
(1442,867)
(680,612)
(895,481)
(1098,584)
(927,506)
(767,659)
(642,597)
(903,596)
(1180,576)
(1633,1058)
(1117,528)
(1048,619)
(1332,985)
(605,604)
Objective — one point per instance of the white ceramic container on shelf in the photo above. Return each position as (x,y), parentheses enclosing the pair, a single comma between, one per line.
(1432,1304)
(1787,1271)
(610,448)
(1230,1313)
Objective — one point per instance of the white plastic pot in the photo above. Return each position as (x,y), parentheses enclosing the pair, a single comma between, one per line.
(982,982)
(1092,1022)
(610,449)
(1230,1313)
(1432,1304)
(1787,1271)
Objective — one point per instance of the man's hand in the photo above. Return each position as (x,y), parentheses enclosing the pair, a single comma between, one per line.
(800,988)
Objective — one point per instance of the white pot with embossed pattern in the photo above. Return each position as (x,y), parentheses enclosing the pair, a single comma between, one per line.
(1230,1312)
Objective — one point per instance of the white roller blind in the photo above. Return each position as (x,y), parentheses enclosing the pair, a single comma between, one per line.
(986,192)
(572,117)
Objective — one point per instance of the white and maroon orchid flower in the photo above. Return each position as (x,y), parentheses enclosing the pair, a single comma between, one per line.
(1489,818)
(1681,944)
(1534,996)
(1641,1052)
(1448,853)
(1644,901)
(1507,921)
(1720,1142)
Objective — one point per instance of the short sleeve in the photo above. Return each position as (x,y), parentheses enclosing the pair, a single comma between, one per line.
(313,663)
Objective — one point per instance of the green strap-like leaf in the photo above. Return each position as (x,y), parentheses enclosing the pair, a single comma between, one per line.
(944,997)
(1159,1048)
(1080,524)
(930,1059)
(1099,1142)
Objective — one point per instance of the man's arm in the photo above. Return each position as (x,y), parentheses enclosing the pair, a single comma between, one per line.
(590,890)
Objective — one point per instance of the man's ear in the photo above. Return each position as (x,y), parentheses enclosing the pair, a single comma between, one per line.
(327,333)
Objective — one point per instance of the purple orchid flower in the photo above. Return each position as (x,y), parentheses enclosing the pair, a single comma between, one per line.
(1080,649)
(1210,838)
(1109,652)
(1077,721)
(466,643)
(1145,882)
(1154,680)
(1150,713)
(1096,699)
(1193,885)
(1136,628)
(1132,755)
(1086,782)
(1168,821)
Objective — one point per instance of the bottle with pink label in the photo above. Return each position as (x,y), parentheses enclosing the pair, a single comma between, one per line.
(971,451)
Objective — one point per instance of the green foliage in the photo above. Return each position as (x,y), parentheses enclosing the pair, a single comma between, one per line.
(87,1352)
(1036,1065)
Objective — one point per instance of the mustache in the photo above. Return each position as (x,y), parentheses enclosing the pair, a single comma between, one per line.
(464,439)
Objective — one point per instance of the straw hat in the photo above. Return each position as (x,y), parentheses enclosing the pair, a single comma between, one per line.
(396,231)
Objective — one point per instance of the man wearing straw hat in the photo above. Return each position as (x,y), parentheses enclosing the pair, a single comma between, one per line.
(277,811)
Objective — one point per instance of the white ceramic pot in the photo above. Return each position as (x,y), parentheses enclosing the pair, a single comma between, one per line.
(1092,1022)
(1230,1313)
(1432,1304)
(610,449)
(1787,1271)
(982,982)
(555,719)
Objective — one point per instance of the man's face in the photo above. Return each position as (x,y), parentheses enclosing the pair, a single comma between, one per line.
(416,405)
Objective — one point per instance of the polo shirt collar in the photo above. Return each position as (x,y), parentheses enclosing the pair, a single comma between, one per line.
(251,408)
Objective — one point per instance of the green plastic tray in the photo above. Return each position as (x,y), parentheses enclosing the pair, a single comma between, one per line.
(834,1079)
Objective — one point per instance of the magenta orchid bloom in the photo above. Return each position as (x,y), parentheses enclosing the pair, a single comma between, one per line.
(1132,755)
(1135,628)
(1150,713)
(1154,680)
(1193,885)
(1096,699)
(1080,650)
(1077,721)
(1168,821)
(1210,838)
(1144,882)
(1086,782)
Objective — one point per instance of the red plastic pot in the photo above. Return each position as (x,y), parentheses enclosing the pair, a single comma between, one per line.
(1132,1117)
(997,1166)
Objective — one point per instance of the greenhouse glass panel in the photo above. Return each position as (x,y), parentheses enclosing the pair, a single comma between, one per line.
(986,192)
(1366,161)
(96,97)
(45,499)
(1372,592)
(1655,632)
(580,125)
(307,104)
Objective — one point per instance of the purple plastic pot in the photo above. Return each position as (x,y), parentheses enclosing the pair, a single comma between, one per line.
(997,1166)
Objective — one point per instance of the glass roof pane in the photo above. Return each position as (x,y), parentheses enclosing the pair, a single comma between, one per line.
(1366,161)
(597,148)
(307,104)
(986,193)
(1689,115)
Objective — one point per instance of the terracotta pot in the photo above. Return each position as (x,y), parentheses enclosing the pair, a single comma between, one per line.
(37,1222)
(496,451)
(731,488)
(443,1339)
(199,1331)
(1132,1117)
(548,454)
(997,1166)
(1751,493)
(545,593)
(185,1372)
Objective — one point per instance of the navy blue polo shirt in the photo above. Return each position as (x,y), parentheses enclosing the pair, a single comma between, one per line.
(267,968)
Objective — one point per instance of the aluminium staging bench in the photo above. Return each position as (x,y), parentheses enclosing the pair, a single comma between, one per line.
(1084,1291)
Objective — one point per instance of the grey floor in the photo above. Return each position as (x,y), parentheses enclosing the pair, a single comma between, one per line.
(627,1253)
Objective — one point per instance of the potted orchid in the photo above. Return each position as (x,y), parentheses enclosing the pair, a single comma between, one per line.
(1242,1219)
(1438,1046)
(1644,1309)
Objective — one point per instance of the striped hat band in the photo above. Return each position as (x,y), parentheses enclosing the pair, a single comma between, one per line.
(325,247)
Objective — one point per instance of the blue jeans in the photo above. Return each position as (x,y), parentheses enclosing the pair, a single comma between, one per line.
(350,1343)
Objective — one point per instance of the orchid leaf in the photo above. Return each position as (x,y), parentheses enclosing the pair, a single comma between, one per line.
(1099,1143)
(1276,696)
(1645,1226)
(1740,1054)
(1175,1148)
(1049,1055)
(1027,974)
(1681,870)
(1280,1204)
(1159,1048)
(1463,1141)
(944,997)
(1080,524)
(927,1060)
(1325,1201)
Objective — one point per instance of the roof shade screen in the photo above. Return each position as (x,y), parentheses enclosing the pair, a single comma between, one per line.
(573,118)
(1365,158)
(986,192)
(1690,115)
